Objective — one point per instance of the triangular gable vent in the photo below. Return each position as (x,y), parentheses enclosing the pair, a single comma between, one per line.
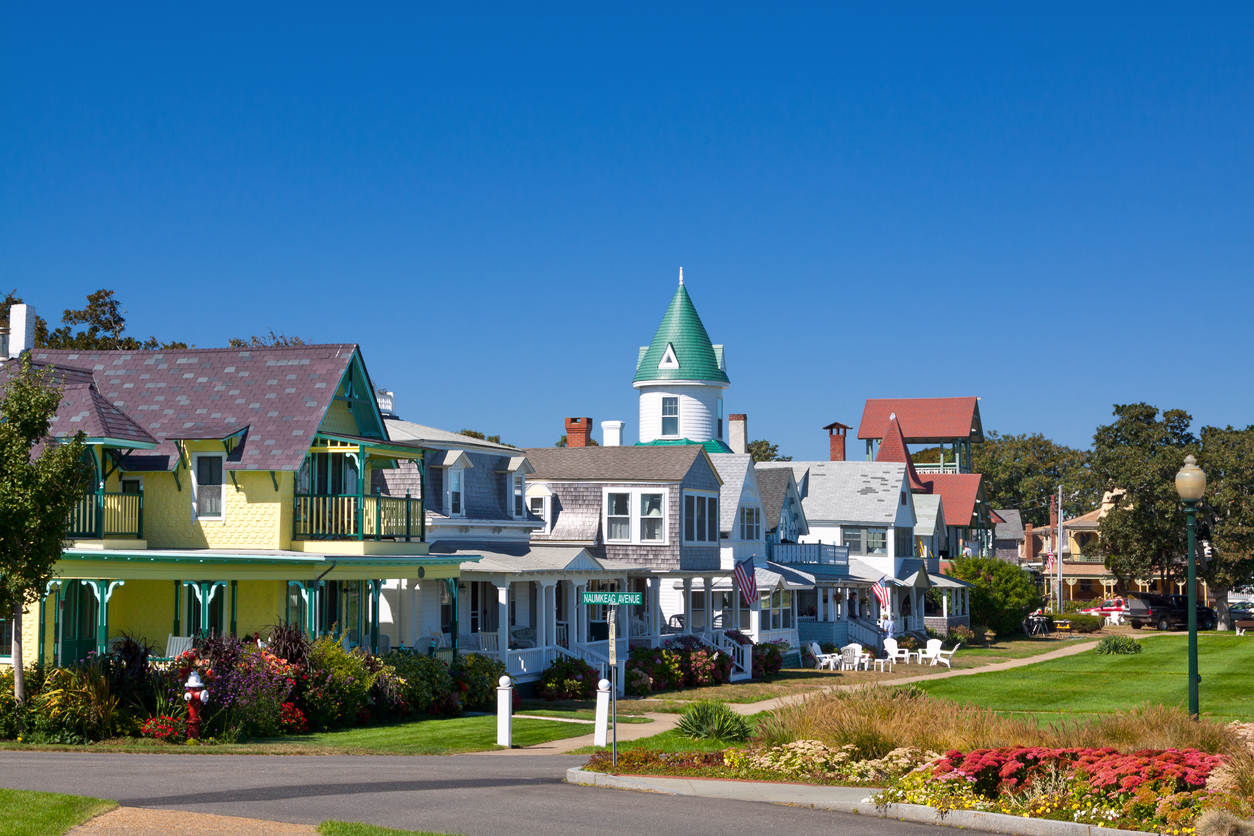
(669,361)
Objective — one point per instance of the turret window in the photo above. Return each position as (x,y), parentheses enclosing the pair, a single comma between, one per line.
(670,417)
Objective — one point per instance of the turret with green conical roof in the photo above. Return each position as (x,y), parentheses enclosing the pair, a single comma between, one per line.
(681,376)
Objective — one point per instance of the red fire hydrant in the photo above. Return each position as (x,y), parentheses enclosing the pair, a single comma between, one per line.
(196,695)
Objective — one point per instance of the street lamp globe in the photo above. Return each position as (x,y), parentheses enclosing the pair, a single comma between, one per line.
(1190,481)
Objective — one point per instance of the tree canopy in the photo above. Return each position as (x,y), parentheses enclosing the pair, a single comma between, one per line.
(266,341)
(764,451)
(37,493)
(1226,518)
(103,322)
(1143,534)
(1002,593)
(491,439)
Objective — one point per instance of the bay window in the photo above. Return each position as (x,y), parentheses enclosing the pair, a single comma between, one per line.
(700,518)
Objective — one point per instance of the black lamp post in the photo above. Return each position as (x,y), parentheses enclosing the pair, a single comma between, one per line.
(1191,484)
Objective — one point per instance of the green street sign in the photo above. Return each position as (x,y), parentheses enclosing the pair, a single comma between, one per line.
(614,598)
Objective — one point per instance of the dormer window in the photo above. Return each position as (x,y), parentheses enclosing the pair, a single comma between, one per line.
(455,477)
(670,417)
(519,497)
(207,487)
(750,523)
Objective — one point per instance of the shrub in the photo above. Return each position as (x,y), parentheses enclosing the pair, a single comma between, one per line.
(426,683)
(333,687)
(75,705)
(292,720)
(1086,623)
(568,679)
(961,633)
(475,679)
(1002,595)
(811,759)
(288,641)
(254,692)
(386,699)
(1123,645)
(712,720)
(166,729)
(662,667)
(768,658)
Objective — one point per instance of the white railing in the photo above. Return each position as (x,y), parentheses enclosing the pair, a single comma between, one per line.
(529,661)
(777,636)
(914,622)
(814,554)
(596,654)
(741,654)
(947,467)
(865,635)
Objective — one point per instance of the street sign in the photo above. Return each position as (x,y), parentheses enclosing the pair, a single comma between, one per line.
(614,598)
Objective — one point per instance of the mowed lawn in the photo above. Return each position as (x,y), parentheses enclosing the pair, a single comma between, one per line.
(1087,683)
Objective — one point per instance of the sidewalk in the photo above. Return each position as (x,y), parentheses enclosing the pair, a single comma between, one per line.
(626,732)
(140,821)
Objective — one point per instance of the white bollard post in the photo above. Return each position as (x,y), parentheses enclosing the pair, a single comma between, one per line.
(505,713)
(603,713)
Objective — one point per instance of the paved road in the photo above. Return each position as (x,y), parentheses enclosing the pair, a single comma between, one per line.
(476,795)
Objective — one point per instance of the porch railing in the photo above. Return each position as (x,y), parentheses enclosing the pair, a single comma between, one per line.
(947,467)
(865,635)
(356,517)
(105,514)
(814,554)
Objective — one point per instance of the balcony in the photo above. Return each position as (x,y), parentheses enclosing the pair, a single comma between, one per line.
(355,517)
(811,554)
(103,514)
(948,467)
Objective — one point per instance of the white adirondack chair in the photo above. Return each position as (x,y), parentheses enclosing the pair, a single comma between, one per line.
(175,645)
(937,656)
(436,637)
(821,659)
(851,657)
(898,654)
(490,642)
(929,655)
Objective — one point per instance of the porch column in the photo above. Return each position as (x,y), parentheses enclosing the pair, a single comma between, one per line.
(234,602)
(455,617)
(375,587)
(502,617)
(755,619)
(945,603)
(103,590)
(579,614)
(687,605)
(572,614)
(655,600)
(542,617)
(735,601)
(707,585)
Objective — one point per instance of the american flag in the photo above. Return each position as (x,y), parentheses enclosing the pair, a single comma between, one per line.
(747,580)
(881,592)
(1049,565)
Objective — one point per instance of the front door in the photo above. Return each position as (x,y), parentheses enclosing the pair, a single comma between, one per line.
(78,623)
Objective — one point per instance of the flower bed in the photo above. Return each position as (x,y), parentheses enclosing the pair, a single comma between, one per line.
(1147,790)
(684,662)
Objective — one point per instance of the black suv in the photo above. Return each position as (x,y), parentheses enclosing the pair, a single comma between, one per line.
(1167,612)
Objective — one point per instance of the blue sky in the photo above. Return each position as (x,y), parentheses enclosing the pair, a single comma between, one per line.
(1036,205)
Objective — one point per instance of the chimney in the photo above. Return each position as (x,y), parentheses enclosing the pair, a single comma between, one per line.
(1029,543)
(578,432)
(21,329)
(836,441)
(738,433)
(387,402)
(611,434)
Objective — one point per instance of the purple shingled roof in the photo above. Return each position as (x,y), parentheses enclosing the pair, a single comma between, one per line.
(82,407)
(280,394)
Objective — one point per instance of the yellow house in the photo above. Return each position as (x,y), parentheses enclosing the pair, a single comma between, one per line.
(230,494)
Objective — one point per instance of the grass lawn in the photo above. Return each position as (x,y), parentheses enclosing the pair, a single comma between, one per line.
(416,737)
(45,813)
(348,828)
(1088,684)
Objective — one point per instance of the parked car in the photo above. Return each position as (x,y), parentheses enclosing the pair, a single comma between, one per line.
(1167,612)
(1108,607)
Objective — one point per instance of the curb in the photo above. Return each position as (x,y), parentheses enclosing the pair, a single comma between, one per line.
(917,813)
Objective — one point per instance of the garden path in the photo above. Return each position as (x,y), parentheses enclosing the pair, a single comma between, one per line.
(779,702)
(626,731)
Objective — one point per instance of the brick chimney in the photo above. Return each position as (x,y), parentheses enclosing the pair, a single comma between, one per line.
(1029,543)
(738,433)
(578,432)
(836,440)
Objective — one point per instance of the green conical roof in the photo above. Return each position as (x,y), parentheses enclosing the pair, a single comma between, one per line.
(681,329)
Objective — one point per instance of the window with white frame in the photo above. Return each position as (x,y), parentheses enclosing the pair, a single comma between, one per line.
(207,501)
(750,523)
(865,540)
(776,609)
(652,521)
(618,518)
(519,496)
(537,504)
(700,518)
(635,516)
(456,506)
(670,417)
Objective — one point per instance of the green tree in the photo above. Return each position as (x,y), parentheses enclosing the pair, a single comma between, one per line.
(1226,515)
(1137,457)
(1002,594)
(37,494)
(491,439)
(764,451)
(1024,471)
(105,322)
(41,324)
(266,341)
